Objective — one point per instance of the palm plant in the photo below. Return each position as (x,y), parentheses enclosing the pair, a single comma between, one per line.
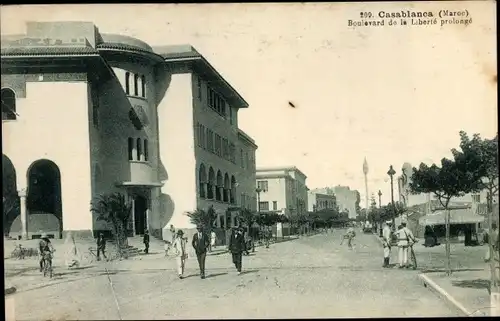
(115,210)
(205,219)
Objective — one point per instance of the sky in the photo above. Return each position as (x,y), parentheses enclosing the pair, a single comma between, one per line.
(390,94)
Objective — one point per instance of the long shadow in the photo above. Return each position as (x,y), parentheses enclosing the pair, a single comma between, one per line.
(432,270)
(215,275)
(249,271)
(472,284)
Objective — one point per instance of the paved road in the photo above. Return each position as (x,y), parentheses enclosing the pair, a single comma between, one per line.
(309,277)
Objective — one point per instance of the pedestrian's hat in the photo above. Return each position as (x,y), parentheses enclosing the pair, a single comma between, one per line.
(180,232)
(388,222)
(44,235)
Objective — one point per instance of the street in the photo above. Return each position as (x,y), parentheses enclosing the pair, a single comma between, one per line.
(308,277)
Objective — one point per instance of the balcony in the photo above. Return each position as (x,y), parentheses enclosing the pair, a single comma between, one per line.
(142,174)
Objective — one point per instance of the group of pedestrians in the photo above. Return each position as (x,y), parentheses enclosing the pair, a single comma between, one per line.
(405,239)
(201,243)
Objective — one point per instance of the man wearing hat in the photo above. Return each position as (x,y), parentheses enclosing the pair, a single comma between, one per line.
(386,242)
(146,241)
(405,236)
(237,246)
(179,247)
(200,243)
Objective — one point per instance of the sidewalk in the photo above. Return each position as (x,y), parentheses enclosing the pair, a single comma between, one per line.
(466,290)
(467,287)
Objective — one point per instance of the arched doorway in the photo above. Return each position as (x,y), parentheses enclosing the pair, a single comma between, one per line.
(11,207)
(44,195)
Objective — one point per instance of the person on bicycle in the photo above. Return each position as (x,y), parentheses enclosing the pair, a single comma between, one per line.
(405,240)
(45,249)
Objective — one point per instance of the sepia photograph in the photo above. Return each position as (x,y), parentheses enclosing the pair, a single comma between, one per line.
(250,160)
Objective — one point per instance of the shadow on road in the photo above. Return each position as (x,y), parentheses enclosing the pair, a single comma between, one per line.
(249,271)
(472,284)
(432,270)
(215,275)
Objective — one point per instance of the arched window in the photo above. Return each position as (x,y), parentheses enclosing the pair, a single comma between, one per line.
(232,194)
(227,188)
(139,149)
(8,104)
(130,148)
(211,183)
(136,85)
(146,151)
(143,84)
(202,179)
(219,187)
(127,83)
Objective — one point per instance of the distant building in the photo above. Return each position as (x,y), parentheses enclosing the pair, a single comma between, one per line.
(282,189)
(319,200)
(347,199)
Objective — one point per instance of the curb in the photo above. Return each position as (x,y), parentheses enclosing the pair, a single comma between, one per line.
(428,282)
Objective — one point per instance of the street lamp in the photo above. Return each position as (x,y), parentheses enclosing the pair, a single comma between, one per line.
(380,206)
(258,190)
(391,173)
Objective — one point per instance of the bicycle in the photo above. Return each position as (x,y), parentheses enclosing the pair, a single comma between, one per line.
(413,257)
(47,264)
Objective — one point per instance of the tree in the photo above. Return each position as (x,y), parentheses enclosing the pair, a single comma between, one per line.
(482,154)
(205,219)
(115,210)
(247,217)
(356,205)
(452,179)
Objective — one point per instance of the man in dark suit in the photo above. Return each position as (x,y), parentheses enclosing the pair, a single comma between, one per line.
(237,246)
(201,242)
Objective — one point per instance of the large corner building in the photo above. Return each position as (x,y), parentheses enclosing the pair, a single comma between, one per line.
(86,113)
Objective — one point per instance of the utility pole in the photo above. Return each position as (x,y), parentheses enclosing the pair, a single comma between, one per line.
(391,173)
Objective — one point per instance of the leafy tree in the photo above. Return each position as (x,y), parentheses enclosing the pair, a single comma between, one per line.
(115,210)
(481,155)
(356,205)
(453,179)
(206,219)
(247,218)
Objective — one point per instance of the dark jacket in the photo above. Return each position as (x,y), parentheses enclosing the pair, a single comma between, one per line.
(237,243)
(200,245)
(101,243)
(146,238)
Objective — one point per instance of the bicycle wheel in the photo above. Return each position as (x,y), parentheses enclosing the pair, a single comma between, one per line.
(413,259)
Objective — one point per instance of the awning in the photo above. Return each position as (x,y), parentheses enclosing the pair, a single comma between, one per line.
(457,216)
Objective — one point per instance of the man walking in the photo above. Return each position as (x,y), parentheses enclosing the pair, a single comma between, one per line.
(200,243)
(146,241)
(101,246)
(386,242)
(236,247)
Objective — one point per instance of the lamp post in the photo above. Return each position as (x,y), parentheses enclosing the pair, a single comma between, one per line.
(391,173)
(380,206)
(258,190)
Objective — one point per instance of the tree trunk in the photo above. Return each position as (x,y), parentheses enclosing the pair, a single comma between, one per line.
(493,281)
(448,254)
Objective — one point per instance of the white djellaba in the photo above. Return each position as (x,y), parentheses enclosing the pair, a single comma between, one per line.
(72,259)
